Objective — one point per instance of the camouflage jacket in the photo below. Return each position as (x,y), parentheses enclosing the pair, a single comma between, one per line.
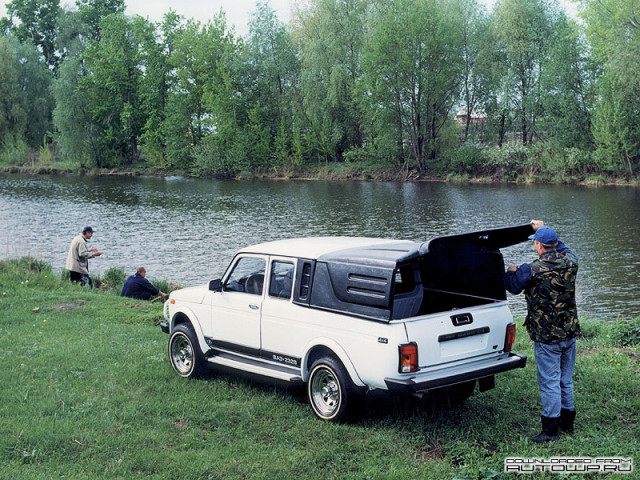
(549,287)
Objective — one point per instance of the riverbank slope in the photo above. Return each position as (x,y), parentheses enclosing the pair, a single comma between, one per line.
(353,171)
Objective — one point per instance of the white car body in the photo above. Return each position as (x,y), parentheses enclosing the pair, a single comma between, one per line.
(282,333)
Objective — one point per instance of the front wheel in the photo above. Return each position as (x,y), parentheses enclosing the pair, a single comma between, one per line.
(184,352)
(330,390)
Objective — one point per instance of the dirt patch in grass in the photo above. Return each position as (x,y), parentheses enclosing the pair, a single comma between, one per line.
(431,452)
(64,306)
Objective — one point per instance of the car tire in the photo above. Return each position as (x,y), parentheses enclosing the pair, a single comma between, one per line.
(331,393)
(184,352)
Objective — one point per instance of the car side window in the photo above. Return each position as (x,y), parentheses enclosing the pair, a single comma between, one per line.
(281,279)
(247,276)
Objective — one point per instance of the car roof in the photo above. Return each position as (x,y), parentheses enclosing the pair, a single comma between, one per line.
(337,248)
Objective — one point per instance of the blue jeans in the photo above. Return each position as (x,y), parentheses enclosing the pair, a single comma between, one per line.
(555,362)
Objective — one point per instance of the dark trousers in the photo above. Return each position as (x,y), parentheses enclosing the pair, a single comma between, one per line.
(81,278)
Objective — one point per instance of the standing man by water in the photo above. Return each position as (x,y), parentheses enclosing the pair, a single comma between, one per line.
(78,257)
(552,322)
(137,286)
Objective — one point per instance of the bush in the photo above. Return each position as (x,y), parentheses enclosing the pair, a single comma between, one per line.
(509,161)
(626,332)
(468,158)
(14,151)
(33,265)
(591,328)
(220,157)
(112,280)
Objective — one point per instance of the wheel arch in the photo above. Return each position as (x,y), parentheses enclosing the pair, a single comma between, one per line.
(186,316)
(326,347)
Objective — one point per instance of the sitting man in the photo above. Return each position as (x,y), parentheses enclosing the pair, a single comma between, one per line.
(136,286)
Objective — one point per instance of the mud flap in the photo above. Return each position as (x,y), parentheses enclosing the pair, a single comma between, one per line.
(487,383)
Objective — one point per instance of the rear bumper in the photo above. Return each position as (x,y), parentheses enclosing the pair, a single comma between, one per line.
(461,373)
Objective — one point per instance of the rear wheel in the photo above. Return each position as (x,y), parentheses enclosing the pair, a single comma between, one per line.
(330,390)
(184,352)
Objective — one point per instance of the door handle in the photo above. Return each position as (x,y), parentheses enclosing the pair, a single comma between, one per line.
(254,307)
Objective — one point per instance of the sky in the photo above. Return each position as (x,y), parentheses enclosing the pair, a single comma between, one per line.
(238,12)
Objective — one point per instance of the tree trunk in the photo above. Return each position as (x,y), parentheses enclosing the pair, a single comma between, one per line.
(134,149)
(501,131)
(524,112)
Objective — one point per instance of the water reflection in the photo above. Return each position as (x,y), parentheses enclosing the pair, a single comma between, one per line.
(186,230)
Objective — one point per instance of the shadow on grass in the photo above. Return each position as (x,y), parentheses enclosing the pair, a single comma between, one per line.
(379,405)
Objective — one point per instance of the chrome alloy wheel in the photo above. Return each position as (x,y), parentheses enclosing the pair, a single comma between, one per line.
(182,354)
(326,394)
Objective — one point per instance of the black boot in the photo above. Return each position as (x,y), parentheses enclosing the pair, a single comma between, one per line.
(549,430)
(566,420)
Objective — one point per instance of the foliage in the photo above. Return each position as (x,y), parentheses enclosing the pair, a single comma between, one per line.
(111,88)
(37,25)
(613,29)
(347,79)
(626,332)
(26,105)
(468,158)
(112,280)
(412,68)
(91,13)
(524,31)
(76,134)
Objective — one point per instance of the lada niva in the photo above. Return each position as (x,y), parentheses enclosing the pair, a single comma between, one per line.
(347,315)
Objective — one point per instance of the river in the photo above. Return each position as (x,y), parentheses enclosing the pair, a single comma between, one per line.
(186,230)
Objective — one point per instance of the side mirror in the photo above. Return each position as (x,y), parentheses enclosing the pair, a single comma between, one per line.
(215,285)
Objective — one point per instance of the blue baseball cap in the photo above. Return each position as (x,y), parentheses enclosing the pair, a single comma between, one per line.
(545,235)
(87,229)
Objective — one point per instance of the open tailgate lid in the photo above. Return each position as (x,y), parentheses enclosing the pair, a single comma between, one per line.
(470,263)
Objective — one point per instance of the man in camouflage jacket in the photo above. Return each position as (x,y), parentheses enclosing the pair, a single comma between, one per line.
(552,322)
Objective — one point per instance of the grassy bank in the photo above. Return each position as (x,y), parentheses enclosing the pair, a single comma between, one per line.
(88,392)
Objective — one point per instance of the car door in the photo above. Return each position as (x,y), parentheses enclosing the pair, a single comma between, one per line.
(236,310)
(283,334)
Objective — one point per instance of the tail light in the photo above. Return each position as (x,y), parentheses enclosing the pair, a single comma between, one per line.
(510,337)
(408,358)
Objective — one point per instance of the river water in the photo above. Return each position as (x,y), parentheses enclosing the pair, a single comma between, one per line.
(186,231)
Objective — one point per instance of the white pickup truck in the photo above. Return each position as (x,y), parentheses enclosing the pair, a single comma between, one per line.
(346,315)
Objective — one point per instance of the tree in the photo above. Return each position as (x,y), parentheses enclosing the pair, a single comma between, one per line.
(26,103)
(268,73)
(93,11)
(413,65)
(37,24)
(523,29)
(13,115)
(568,83)
(613,30)
(113,87)
(331,37)
(476,52)
(156,48)
(75,132)
(198,62)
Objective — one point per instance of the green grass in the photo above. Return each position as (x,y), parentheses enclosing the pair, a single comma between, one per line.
(88,392)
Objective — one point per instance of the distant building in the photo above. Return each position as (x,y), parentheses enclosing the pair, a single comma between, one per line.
(477,119)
